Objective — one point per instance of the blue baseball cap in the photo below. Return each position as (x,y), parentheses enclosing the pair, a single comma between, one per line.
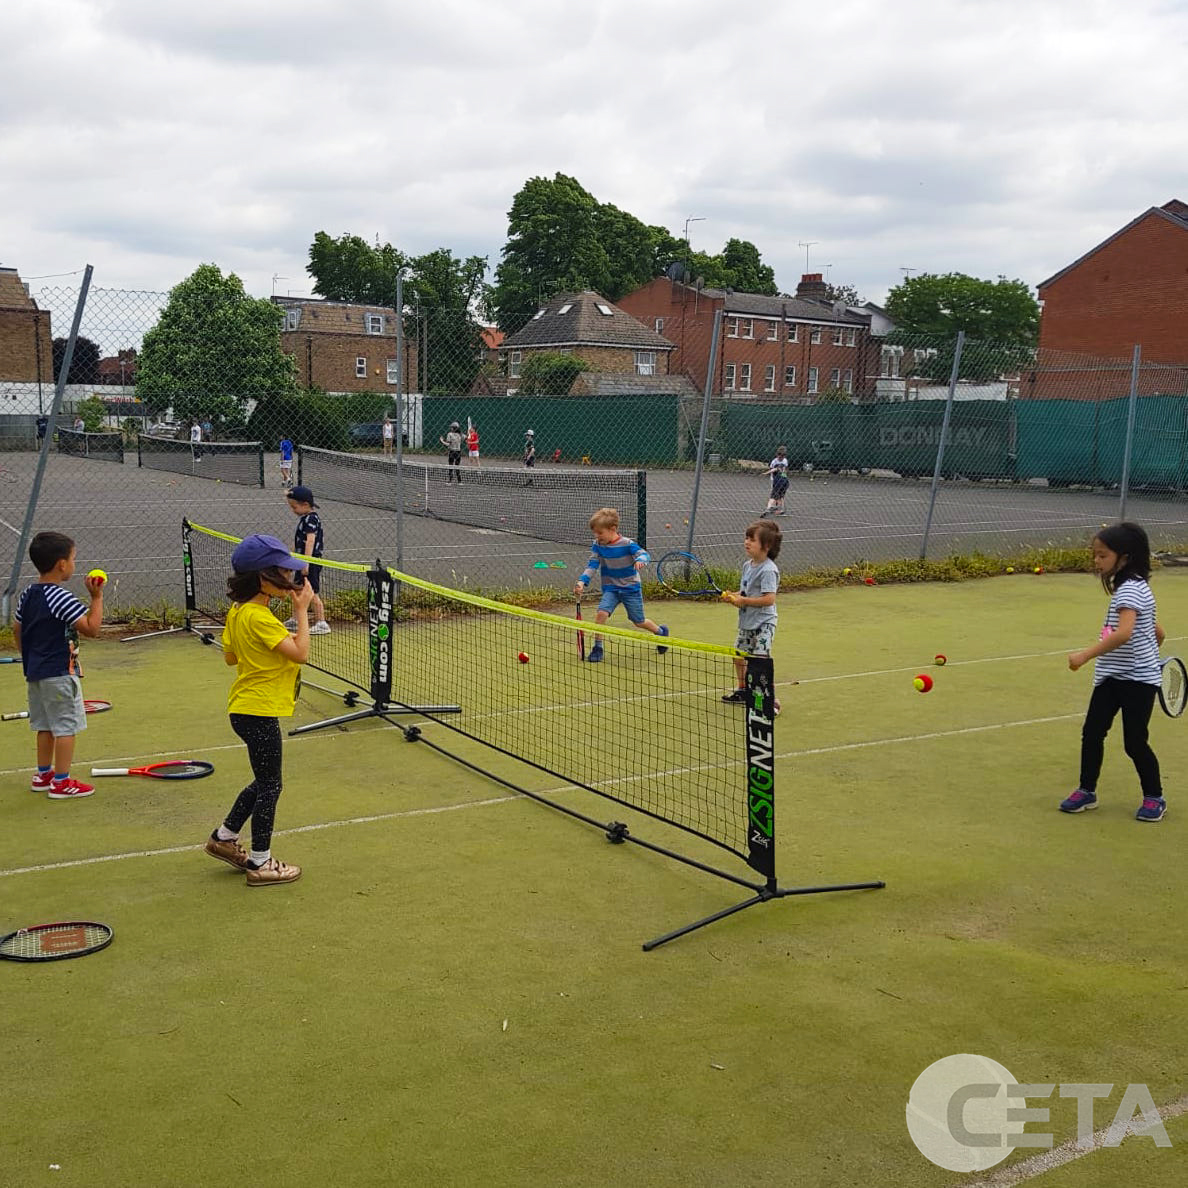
(257,552)
(301,495)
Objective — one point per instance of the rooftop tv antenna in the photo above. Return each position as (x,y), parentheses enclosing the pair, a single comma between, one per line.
(276,278)
(806,244)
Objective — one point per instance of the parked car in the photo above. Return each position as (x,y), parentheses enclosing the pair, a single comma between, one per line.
(369,433)
(164,429)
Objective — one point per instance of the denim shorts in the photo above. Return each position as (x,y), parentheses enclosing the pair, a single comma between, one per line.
(56,705)
(756,641)
(630,596)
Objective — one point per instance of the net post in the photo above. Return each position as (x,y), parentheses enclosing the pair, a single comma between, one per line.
(759,725)
(139,459)
(380,584)
(261,456)
(300,459)
(641,501)
(188,570)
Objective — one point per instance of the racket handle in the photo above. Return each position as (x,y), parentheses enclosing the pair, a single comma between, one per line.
(102,771)
(13,717)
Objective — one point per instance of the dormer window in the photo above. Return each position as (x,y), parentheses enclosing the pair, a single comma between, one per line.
(564,309)
(605,310)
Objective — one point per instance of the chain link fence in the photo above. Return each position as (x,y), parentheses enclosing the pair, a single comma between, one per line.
(476,462)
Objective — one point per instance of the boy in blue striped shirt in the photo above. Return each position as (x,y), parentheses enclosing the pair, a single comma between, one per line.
(619,560)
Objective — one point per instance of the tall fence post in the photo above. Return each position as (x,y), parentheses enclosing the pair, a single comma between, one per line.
(43,457)
(705,409)
(400,421)
(1131,410)
(940,450)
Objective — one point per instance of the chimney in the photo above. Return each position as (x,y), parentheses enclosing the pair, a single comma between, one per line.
(812,287)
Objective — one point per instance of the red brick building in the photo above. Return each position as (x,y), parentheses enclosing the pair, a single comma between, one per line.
(774,347)
(26,339)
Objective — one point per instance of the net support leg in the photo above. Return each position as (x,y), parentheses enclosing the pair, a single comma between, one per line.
(378,711)
(763,896)
(202,630)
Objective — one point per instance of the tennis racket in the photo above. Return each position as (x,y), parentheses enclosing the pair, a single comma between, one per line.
(55,942)
(581,635)
(1173,687)
(91,705)
(10,659)
(172,769)
(687,575)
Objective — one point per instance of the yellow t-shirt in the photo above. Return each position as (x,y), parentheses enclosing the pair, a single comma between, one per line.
(266,683)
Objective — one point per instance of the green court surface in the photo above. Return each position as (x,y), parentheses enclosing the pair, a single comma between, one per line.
(454,993)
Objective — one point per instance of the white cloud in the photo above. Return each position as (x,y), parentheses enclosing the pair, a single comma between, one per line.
(998,137)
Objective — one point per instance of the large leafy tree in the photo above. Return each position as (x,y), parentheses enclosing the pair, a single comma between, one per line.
(444,297)
(84,363)
(214,350)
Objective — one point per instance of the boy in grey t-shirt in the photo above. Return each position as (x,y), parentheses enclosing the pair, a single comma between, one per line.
(755,599)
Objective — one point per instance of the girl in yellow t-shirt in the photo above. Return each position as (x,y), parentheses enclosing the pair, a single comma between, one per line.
(267,661)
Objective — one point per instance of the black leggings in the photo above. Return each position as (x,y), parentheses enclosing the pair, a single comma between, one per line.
(1136,701)
(258,799)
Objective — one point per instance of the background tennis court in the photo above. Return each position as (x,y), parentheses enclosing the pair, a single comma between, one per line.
(454,992)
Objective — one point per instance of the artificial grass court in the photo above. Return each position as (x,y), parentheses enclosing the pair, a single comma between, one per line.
(454,992)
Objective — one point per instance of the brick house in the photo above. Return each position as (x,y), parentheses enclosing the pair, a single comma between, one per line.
(26,338)
(339,346)
(587,326)
(773,347)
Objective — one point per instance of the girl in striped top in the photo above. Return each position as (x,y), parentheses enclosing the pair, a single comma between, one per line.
(1126,673)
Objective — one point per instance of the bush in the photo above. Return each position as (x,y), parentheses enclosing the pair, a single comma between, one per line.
(549,374)
(93,412)
(308,417)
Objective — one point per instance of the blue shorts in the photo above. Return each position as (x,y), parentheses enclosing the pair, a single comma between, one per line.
(314,577)
(630,596)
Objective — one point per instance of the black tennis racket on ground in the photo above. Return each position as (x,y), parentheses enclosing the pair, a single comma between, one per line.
(581,635)
(90,704)
(1173,687)
(687,575)
(55,942)
(172,769)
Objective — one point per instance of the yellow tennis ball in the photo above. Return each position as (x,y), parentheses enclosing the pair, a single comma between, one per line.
(847,571)
(98,573)
(919,683)
(1010,569)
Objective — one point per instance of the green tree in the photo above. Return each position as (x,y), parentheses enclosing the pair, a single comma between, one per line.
(93,412)
(548,374)
(447,293)
(84,363)
(842,294)
(214,350)
(351,269)
(1001,311)
(749,274)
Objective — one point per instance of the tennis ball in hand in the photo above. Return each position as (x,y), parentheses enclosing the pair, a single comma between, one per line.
(99,574)
(941,659)
(523,657)
(923,683)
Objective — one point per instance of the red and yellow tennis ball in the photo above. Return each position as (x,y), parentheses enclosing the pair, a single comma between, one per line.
(922,683)
(523,657)
(98,575)
(847,571)
(941,659)
(1038,569)
(869,581)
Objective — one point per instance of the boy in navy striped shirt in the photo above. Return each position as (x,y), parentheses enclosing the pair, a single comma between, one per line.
(619,560)
(45,616)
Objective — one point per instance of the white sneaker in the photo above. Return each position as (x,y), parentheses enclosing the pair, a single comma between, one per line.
(290,624)
(321,627)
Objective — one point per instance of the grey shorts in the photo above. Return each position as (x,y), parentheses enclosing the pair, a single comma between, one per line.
(756,641)
(56,705)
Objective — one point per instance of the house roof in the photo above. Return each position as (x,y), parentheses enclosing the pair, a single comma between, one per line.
(577,319)
(1175,212)
(492,337)
(337,317)
(610,383)
(795,308)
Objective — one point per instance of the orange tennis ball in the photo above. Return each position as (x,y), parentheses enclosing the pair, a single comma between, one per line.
(941,658)
(523,657)
(923,683)
(667,525)
(98,573)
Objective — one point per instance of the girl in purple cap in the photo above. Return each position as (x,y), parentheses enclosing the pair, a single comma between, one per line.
(268,663)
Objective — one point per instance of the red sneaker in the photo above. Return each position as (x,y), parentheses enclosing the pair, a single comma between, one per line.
(41,783)
(69,789)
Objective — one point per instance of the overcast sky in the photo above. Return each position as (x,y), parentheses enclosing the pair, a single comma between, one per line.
(982,136)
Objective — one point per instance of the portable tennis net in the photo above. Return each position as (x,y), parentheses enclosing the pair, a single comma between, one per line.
(228,461)
(546,502)
(105,447)
(646,729)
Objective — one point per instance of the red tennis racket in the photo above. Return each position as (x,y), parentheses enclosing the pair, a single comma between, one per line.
(91,705)
(172,769)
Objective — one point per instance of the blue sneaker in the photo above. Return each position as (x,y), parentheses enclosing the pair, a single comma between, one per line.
(661,650)
(594,655)
(1079,801)
(1152,809)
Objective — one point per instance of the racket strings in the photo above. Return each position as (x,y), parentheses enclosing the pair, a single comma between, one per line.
(54,940)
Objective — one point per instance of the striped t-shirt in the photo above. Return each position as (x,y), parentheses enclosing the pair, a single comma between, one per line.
(616,561)
(46,612)
(1138,658)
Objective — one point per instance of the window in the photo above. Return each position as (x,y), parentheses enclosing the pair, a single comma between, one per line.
(835,377)
(513,364)
(769,378)
(659,325)
(360,367)
(732,327)
(889,363)
(773,331)
(605,310)
(729,377)
(292,319)
(847,381)
(793,333)
(789,377)
(812,379)
(746,327)
(815,336)
(844,336)
(744,377)
(837,336)
(564,309)
(393,374)
(645,362)
(851,337)
(375,323)
(540,313)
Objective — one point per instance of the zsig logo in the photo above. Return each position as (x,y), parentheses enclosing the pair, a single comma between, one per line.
(930,435)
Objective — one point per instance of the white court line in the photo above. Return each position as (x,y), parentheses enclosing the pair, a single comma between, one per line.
(7,525)
(1038,1165)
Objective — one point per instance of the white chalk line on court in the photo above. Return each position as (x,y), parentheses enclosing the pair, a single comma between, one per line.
(1038,1165)
(7,525)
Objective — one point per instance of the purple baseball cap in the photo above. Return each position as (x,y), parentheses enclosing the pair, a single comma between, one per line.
(257,552)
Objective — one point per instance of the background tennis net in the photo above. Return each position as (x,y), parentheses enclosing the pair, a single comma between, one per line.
(229,461)
(545,503)
(108,447)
